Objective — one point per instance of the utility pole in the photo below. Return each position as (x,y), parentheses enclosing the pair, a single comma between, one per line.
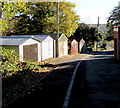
(98,22)
(97,32)
(98,26)
(57,19)
(0,10)
(57,28)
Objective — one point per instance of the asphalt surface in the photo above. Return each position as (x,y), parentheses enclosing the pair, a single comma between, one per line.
(50,91)
(97,82)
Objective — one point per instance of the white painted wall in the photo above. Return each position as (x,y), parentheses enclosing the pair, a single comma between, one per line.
(65,48)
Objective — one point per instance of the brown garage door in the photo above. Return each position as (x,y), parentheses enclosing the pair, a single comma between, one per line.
(30,52)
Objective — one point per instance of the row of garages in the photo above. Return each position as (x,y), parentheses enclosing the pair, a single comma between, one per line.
(38,48)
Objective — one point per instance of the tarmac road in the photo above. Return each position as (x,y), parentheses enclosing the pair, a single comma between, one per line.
(50,92)
(97,82)
(96,85)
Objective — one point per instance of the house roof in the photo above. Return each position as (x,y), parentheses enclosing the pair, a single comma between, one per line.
(13,40)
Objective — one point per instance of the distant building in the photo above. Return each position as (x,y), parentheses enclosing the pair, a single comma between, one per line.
(102,27)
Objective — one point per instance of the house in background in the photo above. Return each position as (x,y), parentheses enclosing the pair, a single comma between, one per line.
(29,48)
(110,45)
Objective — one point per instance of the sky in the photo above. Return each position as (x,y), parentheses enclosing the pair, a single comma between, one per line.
(90,10)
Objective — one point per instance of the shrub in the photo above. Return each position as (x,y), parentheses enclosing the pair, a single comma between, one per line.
(9,61)
(30,66)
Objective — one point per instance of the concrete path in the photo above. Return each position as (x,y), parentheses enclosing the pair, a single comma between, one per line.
(66,59)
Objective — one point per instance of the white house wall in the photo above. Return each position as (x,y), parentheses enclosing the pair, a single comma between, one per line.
(30,42)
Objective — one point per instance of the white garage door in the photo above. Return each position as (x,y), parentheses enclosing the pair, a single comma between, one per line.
(47,50)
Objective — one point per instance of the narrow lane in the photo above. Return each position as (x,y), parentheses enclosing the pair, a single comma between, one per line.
(51,91)
(79,90)
(97,83)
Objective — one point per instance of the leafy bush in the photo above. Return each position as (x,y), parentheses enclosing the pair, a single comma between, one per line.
(30,66)
(9,61)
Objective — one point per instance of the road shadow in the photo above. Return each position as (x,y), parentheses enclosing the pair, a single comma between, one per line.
(105,52)
(97,83)
(51,90)
(48,92)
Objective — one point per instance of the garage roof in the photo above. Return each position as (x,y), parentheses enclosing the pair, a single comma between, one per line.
(13,40)
(40,37)
(37,37)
